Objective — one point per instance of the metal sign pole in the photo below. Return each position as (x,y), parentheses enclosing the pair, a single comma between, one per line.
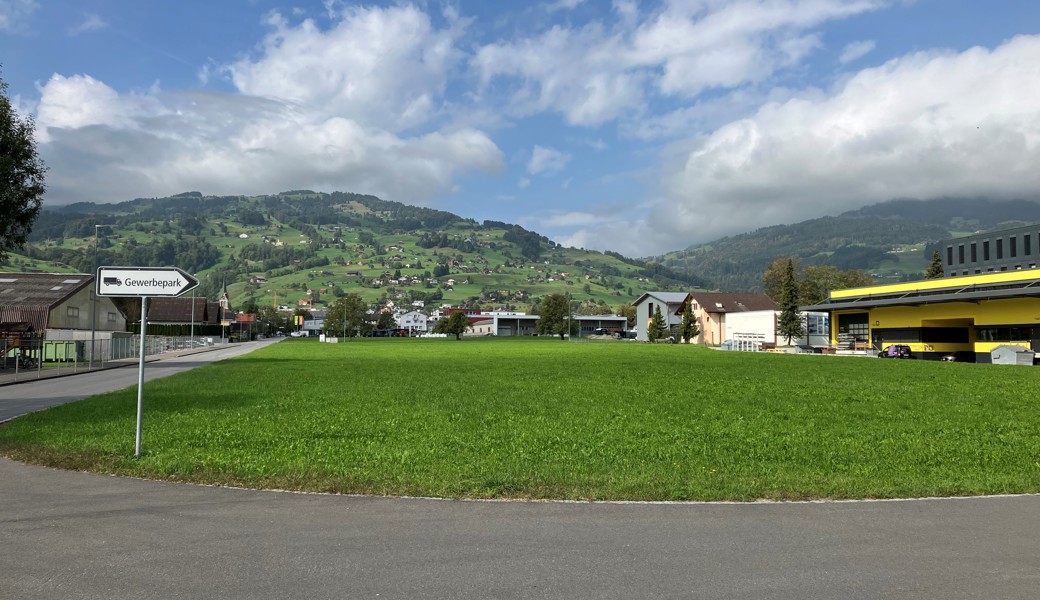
(140,375)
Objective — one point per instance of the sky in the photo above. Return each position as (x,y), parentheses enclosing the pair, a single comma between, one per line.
(640,127)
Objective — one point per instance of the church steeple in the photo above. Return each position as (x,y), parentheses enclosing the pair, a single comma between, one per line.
(225,299)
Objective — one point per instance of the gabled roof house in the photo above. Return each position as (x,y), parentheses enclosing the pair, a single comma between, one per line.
(57,302)
(671,304)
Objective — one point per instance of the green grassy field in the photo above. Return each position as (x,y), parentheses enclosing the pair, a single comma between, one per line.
(539,418)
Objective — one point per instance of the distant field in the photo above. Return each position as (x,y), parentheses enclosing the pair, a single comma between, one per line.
(540,418)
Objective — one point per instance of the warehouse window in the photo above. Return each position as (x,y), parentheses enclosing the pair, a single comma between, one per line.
(949,255)
(960,254)
(1027,240)
(1000,249)
(72,312)
(1013,246)
(985,250)
(974,252)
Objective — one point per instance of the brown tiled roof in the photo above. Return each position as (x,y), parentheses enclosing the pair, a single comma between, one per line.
(29,297)
(177,310)
(213,313)
(721,303)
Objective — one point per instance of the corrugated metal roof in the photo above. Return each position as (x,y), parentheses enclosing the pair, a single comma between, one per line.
(29,297)
(33,289)
(37,316)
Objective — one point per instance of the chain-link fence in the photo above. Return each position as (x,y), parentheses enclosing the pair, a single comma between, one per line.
(30,357)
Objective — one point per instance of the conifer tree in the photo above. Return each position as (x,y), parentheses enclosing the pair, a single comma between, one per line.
(935,270)
(790,324)
(656,329)
(688,328)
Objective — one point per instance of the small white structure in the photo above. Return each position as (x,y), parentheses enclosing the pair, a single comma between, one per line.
(1008,354)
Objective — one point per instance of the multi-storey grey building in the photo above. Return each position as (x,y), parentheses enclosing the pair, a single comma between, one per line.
(1005,250)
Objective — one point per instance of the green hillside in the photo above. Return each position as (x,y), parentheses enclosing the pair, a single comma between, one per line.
(893,240)
(301,245)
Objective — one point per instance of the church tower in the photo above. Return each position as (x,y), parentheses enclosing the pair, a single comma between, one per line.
(225,300)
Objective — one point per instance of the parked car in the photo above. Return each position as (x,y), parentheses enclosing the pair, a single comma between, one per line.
(896,351)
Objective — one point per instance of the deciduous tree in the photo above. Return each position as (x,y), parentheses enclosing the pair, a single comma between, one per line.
(813,283)
(347,316)
(457,323)
(554,316)
(386,321)
(21,176)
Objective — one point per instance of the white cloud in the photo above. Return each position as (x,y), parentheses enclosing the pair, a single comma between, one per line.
(90,23)
(572,219)
(546,161)
(574,72)
(926,125)
(14,13)
(597,73)
(559,5)
(105,147)
(82,101)
(387,67)
(855,51)
(352,108)
(630,238)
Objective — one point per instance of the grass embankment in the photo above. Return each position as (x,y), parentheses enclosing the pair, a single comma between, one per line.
(540,418)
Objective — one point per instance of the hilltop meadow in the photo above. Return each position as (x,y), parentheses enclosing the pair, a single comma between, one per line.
(278,250)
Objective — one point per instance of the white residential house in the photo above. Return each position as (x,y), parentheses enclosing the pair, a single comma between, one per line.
(414,321)
(671,305)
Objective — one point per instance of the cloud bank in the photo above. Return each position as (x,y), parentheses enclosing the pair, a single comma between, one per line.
(927,125)
(685,99)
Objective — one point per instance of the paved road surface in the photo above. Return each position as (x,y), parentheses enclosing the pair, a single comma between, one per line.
(66,535)
(33,395)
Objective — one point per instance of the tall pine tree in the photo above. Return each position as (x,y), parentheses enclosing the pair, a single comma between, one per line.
(657,328)
(935,270)
(789,325)
(688,328)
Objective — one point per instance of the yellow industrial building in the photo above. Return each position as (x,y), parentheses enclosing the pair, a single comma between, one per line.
(967,317)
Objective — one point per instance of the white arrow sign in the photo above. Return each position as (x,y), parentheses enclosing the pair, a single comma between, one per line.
(143,281)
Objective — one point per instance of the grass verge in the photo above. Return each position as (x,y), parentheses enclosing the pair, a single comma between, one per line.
(540,418)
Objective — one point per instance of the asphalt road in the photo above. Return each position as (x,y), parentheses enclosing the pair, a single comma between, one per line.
(33,395)
(66,535)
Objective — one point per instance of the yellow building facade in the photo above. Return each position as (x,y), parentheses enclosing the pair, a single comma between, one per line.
(966,316)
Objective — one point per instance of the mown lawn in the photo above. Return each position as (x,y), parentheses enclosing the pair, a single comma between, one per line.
(539,418)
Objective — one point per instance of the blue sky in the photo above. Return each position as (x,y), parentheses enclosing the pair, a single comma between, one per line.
(639,127)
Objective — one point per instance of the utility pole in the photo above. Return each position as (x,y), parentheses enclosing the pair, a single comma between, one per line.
(93,303)
(192,318)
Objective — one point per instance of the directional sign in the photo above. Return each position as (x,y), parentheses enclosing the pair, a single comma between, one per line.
(143,281)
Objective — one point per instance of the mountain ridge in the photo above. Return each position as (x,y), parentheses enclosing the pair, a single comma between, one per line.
(893,240)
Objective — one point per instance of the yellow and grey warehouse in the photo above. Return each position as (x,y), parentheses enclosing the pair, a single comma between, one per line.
(966,316)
